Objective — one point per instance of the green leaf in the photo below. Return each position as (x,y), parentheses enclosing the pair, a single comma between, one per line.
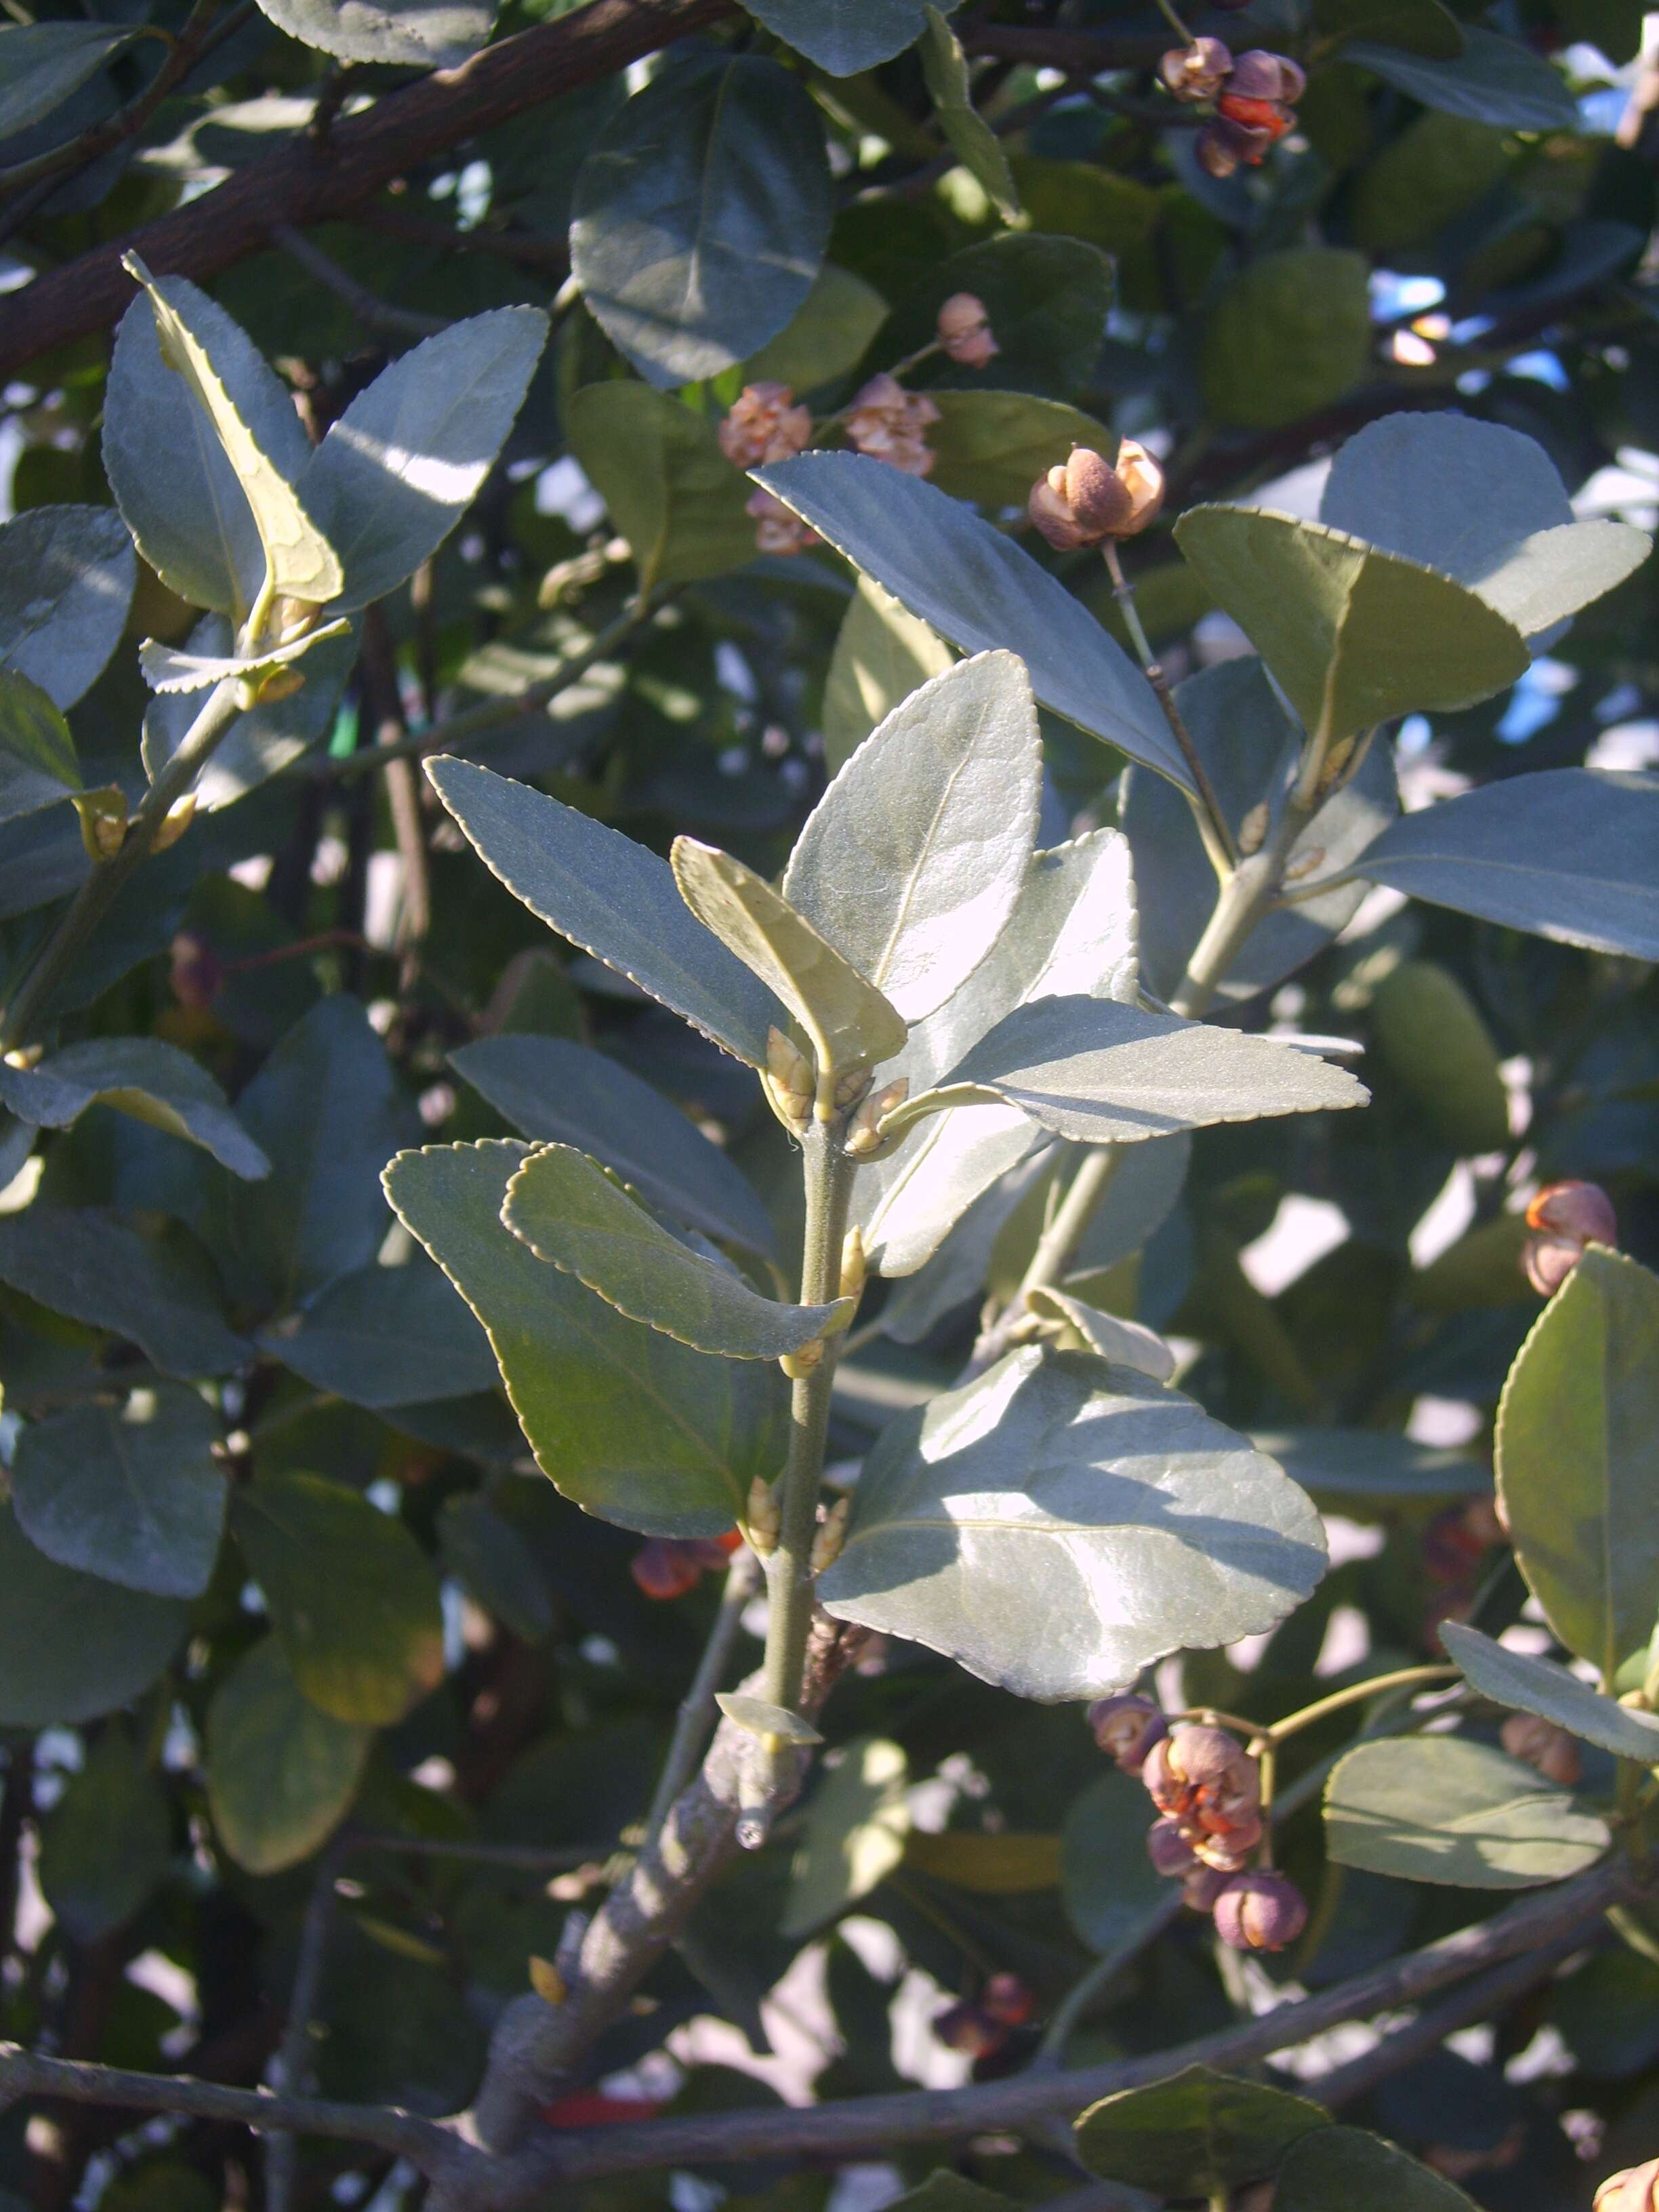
(671,491)
(1073,929)
(911,862)
(1362,2173)
(1529,1685)
(66,579)
(38,762)
(1346,1470)
(72,1646)
(1439,166)
(1566,854)
(132,1493)
(400,467)
(158,1292)
(351,1595)
(1111,1890)
(1442,1809)
(385,1336)
(993,446)
(1080,199)
(281,1775)
(1199,2133)
(42,64)
(977,587)
(415,34)
(627,1423)
(855,1827)
(299,562)
(1354,636)
(1100,1072)
(327,1109)
(562,1093)
(1415,26)
(1059,1524)
(1577,1452)
(106,1843)
(1125,1343)
(267,737)
(827,337)
(1432,1035)
(167,670)
(572,1213)
(702,215)
(1494,80)
(845,37)
(1287,336)
(613,898)
(945,67)
(153,1082)
(850,1022)
(175,484)
(882,655)
(495,1565)
(1048,300)
(757,1717)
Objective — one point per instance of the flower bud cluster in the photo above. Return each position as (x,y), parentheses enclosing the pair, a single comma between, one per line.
(982,2027)
(1255,96)
(1566,1219)
(1085,500)
(669,1566)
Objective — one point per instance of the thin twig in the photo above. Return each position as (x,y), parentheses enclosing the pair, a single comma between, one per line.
(697,1707)
(290,2065)
(376,315)
(1212,824)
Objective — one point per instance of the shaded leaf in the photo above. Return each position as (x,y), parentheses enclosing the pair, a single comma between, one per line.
(267,737)
(42,64)
(1111,1890)
(969,135)
(159,1293)
(66,579)
(1199,2133)
(38,762)
(1431,1032)
(993,446)
(1439,1808)
(845,37)
(1058,1524)
(281,1775)
(826,337)
(671,491)
(106,1843)
(385,1336)
(1047,299)
(1126,1343)
(154,1082)
(1528,1684)
(854,1834)
(73,1646)
(1494,80)
(882,655)
(1362,2173)
(1347,1468)
(496,1565)
(1416,27)
(1289,335)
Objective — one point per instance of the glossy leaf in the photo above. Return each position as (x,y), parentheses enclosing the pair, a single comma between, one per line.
(1125,1343)
(281,1775)
(73,1646)
(38,762)
(854,1836)
(1059,1524)
(1442,1809)
(671,493)
(1494,80)
(159,1293)
(1289,335)
(169,671)
(850,1022)
(701,213)
(973,585)
(1578,1453)
(1432,1034)
(351,1595)
(385,1336)
(970,137)
(562,1093)
(1199,2133)
(882,655)
(267,737)
(613,898)
(1528,1684)
(66,579)
(845,37)
(41,64)
(152,1081)
(911,862)
(130,1493)
(1354,636)
(1566,854)
(1362,2173)
(416,33)
(106,1843)
(572,1214)
(400,467)
(627,1423)
(1348,1469)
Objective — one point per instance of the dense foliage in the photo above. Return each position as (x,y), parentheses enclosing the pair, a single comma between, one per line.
(828,1105)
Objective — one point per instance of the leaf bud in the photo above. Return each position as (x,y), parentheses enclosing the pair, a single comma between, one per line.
(1170,1848)
(548,1982)
(1260,1911)
(1304,864)
(854,1264)
(1259,74)
(799,1364)
(864,1137)
(1126,1728)
(1197,71)
(964,330)
(174,823)
(1635,2190)
(1008,1999)
(831,1535)
(103,817)
(788,1080)
(1253,829)
(1540,1743)
(850,1086)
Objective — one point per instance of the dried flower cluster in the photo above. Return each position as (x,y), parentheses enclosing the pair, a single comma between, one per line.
(1255,96)
(982,2026)
(669,1566)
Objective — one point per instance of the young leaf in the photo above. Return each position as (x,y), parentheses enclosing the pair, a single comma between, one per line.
(613,898)
(1362,2173)
(627,1423)
(1126,1343)
(42,65)
(412,34)
(1442,1809)
(855,1828)
(843,37)
(66,579)
(38,762)
(73,1646)
(131,1493)
(106,1843)
(159,1293)
(671,491)
(1529,1685)
(1578,1453)
(268,737)
(1104,1074)
(1355,635)
(281,1775)
(385,1336)
(1199,2133)
(152,1081)
(757,1717)
(850,1022)
(400,467)
(1566,854)
(969,135)
(702,215)
(300,562)
(351,1595)
(975,586)
(571,1213)
(911,862)
(882,655)
(1059,1524)
(167,670)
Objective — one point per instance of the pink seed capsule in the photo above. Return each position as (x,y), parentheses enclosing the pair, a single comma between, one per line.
(1260,1911)
(1126,1728)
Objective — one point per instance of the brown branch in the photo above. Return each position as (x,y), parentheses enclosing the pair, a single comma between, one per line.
(302,184)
